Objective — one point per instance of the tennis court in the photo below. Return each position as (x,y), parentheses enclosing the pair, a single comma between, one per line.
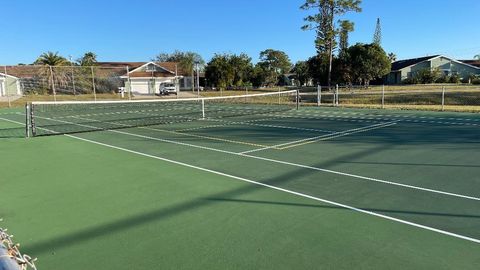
(244,186)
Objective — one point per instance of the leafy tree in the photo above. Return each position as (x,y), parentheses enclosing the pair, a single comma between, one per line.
(345,28)
(242,69)
(477,57)
(316,69)
(219,71)
(186,61)
(259,75)
(274,63)
(226,70)
(301,72)
(392,57)
(368,62)
(377,36)
(88,59)
(323,24)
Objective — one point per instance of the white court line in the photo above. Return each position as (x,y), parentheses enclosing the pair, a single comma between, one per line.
(333,135)
(288,163)
(11,121)
(284,190)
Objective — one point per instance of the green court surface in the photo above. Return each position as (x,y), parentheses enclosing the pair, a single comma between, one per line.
(314,188)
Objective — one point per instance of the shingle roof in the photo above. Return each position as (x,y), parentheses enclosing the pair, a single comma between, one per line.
(409,62)
(170,66)
(21,71)
(475,63)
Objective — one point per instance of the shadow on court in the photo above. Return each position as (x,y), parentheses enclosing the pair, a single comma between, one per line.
(6,133)
(287,179)
(376,210)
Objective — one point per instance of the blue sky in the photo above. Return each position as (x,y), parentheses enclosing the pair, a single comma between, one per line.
(126,30)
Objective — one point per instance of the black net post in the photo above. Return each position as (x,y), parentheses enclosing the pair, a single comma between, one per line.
(32,121)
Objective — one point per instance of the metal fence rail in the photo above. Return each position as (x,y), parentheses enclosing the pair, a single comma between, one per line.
(427,97)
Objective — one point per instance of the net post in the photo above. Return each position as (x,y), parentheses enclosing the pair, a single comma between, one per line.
(27,120)
(32,120)
(383,96)
(203,108)
(443,98)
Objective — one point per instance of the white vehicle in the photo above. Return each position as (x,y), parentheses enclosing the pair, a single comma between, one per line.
(168,88)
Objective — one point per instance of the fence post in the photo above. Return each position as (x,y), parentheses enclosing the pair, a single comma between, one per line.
(298,99)
(129,90)
(319,95)
(73,79)
(93,84)
(53,84)
(336,92)
(383,96)
(279,93)
(5,88)
(443,98)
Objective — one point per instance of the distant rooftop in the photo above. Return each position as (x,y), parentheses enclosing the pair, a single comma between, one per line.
(397,65)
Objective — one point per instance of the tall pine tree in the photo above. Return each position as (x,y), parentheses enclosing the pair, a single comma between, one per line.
(377,36)
(322,21)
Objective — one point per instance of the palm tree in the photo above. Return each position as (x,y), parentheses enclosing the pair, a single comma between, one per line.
(51,61)
(392,57)
(88,59)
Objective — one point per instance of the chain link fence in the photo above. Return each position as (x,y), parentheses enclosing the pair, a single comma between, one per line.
(421,97)
(64,82)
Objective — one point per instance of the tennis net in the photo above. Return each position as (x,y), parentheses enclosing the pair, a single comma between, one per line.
(51,118)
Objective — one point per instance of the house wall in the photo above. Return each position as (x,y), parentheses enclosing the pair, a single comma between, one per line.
(11,86)
(408,72)
(444,64)
(449,67)
(2,82)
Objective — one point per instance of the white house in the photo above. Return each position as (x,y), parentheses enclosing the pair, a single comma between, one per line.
(9,85)
(145,78)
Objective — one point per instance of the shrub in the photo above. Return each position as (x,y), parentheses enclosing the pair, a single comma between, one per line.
(454,79)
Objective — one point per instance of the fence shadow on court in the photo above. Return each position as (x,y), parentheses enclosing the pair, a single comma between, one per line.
(6,133)
(377,210)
